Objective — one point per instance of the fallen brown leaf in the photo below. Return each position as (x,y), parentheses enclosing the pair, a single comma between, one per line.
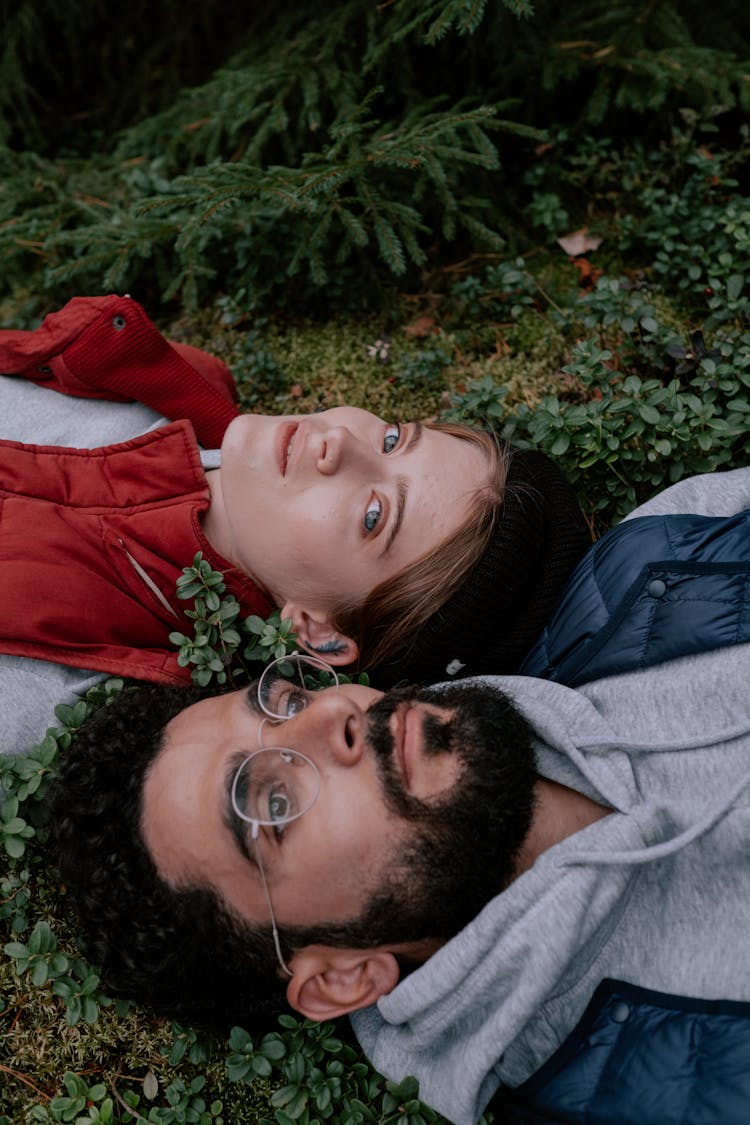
(588,275)
(419,328)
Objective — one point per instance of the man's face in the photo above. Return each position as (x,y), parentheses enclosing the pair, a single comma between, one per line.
(417,799)
(322,508)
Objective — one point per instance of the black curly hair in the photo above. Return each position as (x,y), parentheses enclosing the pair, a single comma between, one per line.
(178,950)
(181,950)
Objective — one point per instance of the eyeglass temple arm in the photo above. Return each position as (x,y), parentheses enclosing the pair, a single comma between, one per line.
(264,881)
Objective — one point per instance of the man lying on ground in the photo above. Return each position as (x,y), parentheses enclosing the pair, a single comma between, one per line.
(512,885)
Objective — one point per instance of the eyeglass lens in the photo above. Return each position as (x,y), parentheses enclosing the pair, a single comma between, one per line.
(283,688)
(274,786)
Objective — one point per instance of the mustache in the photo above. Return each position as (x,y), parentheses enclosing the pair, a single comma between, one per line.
(438,737)
(440,734)
(435,730)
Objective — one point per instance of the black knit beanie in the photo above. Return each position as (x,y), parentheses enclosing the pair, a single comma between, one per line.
(489,624)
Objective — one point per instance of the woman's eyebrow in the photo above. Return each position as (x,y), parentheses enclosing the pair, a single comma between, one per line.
(402,488)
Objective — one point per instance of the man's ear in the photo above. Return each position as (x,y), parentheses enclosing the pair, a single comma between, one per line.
(316,634)
(329,982)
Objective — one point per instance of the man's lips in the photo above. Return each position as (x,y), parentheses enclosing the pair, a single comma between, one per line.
(405,729)
(285,436)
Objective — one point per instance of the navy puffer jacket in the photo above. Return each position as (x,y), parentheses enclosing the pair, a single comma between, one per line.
(639,1057)
(652,589)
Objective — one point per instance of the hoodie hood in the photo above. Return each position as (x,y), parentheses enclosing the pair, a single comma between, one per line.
(669,751)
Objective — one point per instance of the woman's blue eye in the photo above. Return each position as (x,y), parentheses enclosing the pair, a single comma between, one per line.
(373,514)
(392,434)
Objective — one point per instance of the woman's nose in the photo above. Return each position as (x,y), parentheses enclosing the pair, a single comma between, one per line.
(339,448)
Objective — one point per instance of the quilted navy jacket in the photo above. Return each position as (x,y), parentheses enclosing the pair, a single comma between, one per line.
(639,1057)
(652,589)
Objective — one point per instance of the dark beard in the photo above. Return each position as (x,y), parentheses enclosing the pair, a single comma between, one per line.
(463,849)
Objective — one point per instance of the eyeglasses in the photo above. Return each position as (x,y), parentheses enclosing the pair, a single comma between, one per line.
(275,784)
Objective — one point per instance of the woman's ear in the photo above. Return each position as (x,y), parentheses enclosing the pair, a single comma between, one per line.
(316,634)
(328,982)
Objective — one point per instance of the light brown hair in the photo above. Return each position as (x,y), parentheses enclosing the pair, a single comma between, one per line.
(393,612)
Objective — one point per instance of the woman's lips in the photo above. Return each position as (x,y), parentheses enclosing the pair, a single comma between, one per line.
(285,445)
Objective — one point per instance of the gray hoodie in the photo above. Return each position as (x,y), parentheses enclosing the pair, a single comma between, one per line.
(656,894)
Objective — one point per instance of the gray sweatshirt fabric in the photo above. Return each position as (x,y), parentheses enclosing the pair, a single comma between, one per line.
(32,688)
(657,893)
(708,494)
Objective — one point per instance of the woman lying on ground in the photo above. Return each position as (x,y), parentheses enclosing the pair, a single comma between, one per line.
(411,549)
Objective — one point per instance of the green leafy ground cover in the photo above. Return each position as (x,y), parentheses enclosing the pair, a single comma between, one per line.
(630,362)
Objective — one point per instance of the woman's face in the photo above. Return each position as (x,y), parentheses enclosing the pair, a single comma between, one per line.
(321,508)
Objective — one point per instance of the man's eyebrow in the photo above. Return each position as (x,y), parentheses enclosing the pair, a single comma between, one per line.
(238,827)
(251,698)
(403,489)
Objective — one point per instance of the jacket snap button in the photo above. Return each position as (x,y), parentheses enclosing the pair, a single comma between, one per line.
(119,322)
(657,588)
(620,1012)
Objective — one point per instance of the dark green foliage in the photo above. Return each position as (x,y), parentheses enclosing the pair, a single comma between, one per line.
(505,290)
(365,201)
(214,645)
(699,237)
(633,436)
(257,370)
(639,406)
(331,152)
(635,57)
(82,69)
(425,367)
(322,1078)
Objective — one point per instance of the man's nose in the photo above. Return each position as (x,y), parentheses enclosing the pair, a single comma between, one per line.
(339,448)
(331,729)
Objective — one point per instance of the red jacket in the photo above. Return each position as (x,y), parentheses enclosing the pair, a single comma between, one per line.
(92,541)
(106,347)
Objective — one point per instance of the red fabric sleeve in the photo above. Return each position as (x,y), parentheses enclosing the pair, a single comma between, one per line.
(106,347)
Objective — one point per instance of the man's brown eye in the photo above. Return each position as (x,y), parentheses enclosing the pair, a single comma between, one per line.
(291,701)
(279,805)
